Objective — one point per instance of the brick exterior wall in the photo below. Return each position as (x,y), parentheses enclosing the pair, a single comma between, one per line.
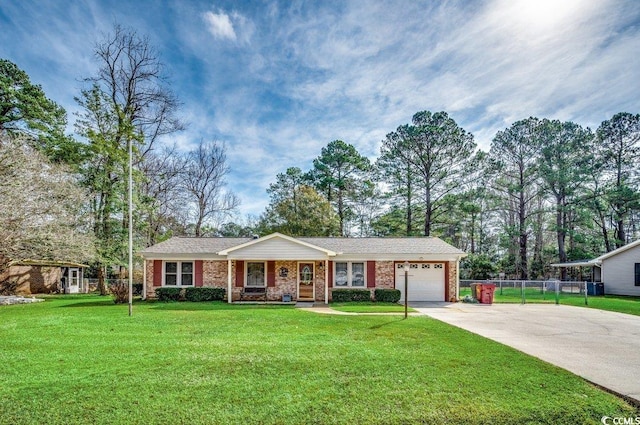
(284,284)
(385,274)
(215,274)
(151,290)
(319,280)
(453,281)
(34,279)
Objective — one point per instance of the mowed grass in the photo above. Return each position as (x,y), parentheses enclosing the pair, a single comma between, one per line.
(83,360)
(629,305)
(369,307)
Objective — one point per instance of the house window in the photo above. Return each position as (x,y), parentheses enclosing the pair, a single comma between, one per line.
(256,274)
(349,274)
(637,265)
(178,273)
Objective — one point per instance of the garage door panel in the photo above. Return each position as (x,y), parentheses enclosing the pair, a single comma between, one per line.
(425,281)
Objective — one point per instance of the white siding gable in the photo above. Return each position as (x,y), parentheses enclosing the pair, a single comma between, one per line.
(618,272)
(277,249)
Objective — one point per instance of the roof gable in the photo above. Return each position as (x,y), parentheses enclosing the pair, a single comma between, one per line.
(277,246)
(618,251)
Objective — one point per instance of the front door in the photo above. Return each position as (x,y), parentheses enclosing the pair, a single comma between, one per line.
(305,282)
(74,281)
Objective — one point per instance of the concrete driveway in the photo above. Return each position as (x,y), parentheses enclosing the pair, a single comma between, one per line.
(601,346)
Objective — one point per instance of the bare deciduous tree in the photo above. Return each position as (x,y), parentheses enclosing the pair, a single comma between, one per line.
(162,207)
(41,208)
(129,103)
(203,179)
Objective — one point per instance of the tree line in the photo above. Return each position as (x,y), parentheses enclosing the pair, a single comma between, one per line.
(127,103)
(545,191)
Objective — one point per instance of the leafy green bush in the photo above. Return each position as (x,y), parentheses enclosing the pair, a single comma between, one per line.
(168,294)
(387,295)
(351,295)
(204,294)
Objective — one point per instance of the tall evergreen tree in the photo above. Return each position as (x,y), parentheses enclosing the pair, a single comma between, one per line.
(565,148)
(513,157)
(619,151)
(438,153)
(26,110)
(336,173)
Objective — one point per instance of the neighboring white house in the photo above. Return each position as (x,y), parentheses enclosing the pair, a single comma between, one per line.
(619,270)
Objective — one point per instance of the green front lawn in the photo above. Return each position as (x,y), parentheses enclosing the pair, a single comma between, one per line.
(629,305)
(369,307)
(83,360)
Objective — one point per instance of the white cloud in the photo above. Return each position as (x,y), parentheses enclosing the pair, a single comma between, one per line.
(219,25)
(312,72)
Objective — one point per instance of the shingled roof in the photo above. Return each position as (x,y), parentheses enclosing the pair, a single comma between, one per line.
(414,245)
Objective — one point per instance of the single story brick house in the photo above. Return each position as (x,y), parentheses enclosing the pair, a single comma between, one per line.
(304,269)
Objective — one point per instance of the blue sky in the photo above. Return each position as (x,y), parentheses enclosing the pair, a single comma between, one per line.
(278,80)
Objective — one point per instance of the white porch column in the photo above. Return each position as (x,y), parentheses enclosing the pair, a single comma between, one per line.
(326,281)
(457,279)
(229,287)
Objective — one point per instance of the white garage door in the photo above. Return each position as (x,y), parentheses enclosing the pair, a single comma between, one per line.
(426,281)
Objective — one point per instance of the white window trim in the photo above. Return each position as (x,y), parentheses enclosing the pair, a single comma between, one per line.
(179,273)
(350,274)
(246,274)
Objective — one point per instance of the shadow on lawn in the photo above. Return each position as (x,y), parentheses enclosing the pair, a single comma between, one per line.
(392,322)
(219,305)
(101,303)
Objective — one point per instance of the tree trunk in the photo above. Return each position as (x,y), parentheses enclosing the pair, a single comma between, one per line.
(427,211)
(524,274)
(102,287)
(561,235)
(409,212)
(473,228)
(621,236)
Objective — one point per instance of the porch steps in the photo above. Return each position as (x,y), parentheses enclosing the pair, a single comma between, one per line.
(304,304)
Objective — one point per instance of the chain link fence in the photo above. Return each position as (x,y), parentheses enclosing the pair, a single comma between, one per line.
(90,285)
(537,291)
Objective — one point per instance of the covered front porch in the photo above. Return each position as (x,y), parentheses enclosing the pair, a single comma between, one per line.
(278,280)
(278,269)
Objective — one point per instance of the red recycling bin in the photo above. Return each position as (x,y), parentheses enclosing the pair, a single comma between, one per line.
(486,293)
